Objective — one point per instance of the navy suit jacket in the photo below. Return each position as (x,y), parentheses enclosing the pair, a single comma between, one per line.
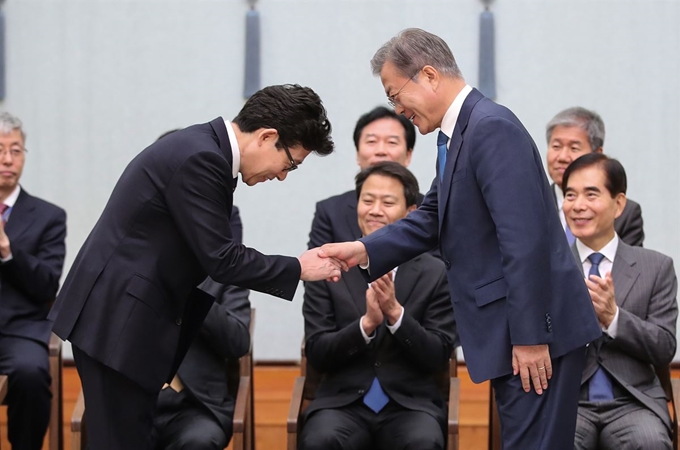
(29,281)
(512,276)
(335,220)
(404,362)
(131,299)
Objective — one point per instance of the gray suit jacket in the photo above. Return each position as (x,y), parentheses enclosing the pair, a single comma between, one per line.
(645,286)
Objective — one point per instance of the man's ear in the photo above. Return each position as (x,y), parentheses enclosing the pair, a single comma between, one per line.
(620,204)
(267,135)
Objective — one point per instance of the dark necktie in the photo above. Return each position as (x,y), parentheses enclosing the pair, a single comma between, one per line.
(442,141)
(600,385)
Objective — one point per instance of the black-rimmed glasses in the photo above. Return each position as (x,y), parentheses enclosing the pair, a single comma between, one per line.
(293,164)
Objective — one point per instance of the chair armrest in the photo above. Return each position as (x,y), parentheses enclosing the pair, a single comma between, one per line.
(675,400)
(454,406)
(242,405)
(3,387)
(295,405)
(55,345)
(78,413)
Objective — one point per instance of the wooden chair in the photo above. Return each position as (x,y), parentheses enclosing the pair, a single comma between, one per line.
(55,432)
(239,376)
(306,385)
(3,388)
(670,386)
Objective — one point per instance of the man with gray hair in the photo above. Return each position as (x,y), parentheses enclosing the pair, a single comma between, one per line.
(521,305)
(572,133)
(32,249)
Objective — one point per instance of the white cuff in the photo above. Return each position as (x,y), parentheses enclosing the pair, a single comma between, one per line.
(367,338)
(367,266)
(393,328)
(613,327)
(9,258)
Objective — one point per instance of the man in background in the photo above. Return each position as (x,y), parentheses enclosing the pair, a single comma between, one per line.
(572,133)
(633,291)
(32,250)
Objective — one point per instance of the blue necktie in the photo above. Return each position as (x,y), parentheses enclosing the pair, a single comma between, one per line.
(375,398)
(442,141)
(570,236)
(600,385)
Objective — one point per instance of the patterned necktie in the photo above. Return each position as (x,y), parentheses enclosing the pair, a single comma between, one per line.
(600,385)
(375,398)
(442,141)
(3,209)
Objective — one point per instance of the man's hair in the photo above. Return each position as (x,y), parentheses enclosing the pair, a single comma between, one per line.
(411,50)
(295,112)
(615,175)
(393,170)
(589,121)
(385,113)
(9,123)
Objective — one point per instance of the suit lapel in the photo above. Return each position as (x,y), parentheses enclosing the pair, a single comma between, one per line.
(351,216)
(20,218)
(356,285)
(454,149)
(405,280)
(624,272)
(574,250)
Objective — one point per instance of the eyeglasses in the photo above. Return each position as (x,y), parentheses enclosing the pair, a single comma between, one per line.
(293,164)
(13,152)
(392,99)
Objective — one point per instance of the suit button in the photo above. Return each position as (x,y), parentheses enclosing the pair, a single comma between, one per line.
(178,321)
(361,392)
(447,264)
(377,364)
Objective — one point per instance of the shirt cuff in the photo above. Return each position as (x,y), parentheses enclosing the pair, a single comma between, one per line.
(393,328)
(367,338)
(613,327)
(4,260)
(367,265)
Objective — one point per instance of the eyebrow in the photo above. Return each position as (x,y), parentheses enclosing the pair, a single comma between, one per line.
(391,136)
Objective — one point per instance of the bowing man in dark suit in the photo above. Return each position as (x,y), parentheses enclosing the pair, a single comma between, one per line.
(633,290)
(379,135)
(195,410)
(378,345)
(523,312)
(570,134)
(130,305)
(32,249)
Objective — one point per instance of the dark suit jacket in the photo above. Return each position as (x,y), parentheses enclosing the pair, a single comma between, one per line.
(512,276)
(130,299)
(628,225)
(646,287)
(403,361)
(335,220)
(29,281)
(223,335)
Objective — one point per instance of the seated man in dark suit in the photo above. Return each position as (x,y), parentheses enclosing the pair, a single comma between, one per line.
(195,411)
(575,132)
(633,291)
(32,249)
(379,345)
(379,135)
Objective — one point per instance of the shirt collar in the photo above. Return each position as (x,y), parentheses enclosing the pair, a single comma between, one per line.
(609,250)
(451,116)
(12,198)
(235,151)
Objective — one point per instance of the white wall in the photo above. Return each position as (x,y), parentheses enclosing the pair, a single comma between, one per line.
(95,81)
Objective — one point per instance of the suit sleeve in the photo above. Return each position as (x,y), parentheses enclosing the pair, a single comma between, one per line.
(430,342)
(629,225)
(198,198)
(404,239)
(652,338)
(328,347)
(510,176)
(322,228)
(37,274)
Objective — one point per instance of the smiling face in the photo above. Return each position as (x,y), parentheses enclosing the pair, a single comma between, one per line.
(589,208)
(383,140)
(381,202)
(262,161)
(12,158)
(416,98)
(565,145)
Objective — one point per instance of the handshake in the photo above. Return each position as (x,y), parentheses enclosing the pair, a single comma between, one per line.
(329,261)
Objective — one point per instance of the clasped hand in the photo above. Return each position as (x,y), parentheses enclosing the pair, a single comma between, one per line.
(381,303)
(314,268)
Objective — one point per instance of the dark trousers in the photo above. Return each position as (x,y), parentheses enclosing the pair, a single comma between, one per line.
(26,364)
(356,427)
(541,422)
(183,423)
(118,411)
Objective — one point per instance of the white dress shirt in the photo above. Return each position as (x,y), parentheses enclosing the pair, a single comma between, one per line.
(235,151)
(559,196)
(451,117)
(609,253)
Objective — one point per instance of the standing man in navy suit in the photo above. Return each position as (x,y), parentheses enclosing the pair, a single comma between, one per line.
(32,250)
(130,305)
(523,312)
